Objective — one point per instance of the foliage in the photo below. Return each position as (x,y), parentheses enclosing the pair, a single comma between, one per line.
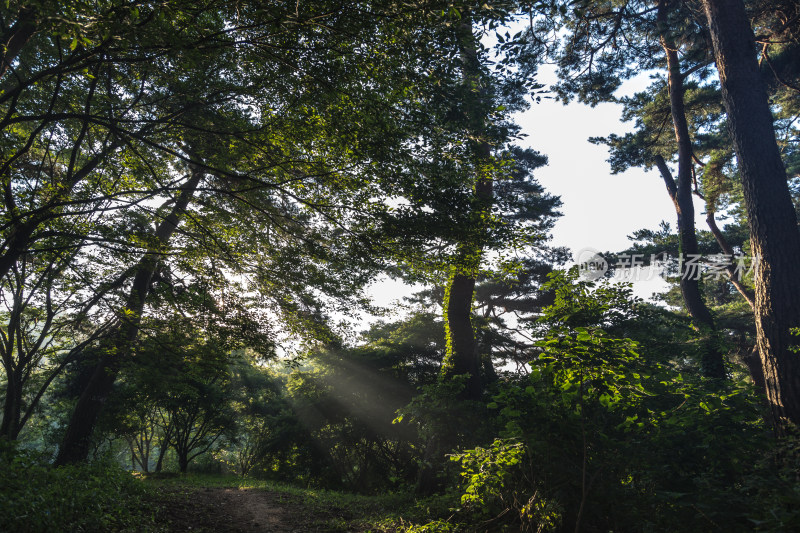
(597,434)
(327,143)
(492,479)
(340,407)
(98,497)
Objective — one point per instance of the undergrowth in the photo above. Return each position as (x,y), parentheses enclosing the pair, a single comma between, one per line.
(36,497)
(391,512)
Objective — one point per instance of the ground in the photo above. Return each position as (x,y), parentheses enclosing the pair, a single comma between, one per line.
(237,510)
(213,505)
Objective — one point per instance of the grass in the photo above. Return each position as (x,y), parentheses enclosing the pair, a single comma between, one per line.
(337,511)
(35,497)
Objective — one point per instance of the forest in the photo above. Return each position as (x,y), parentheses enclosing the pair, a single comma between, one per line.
(200,197)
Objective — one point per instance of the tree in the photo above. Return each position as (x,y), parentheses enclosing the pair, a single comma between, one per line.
(199,414)
(345,400)
(604,43)
(186,377)
(774,236)
(258,403)
(297,180)
(119,342)
(496,219)
(35,334)
(681,194)
(76,114)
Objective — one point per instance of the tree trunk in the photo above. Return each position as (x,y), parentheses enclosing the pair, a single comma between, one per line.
(463,356)
(77,439)
(183,462)
(489,372)
(711,361)
(143,444)
(16,37)
(163,446)
(162,451)
(462,349)
(12,408)
(727,250)
(774,237)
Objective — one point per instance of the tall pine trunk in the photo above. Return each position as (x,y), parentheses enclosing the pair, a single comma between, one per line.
(118,346)
(774,235)
(463,356)
(711,361)
(462,349)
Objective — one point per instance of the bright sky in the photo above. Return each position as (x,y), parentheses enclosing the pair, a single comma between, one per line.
(600,209)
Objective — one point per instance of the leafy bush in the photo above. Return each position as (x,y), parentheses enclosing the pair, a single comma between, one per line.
(598,437)
(38,498)
(498,480)
(445,423)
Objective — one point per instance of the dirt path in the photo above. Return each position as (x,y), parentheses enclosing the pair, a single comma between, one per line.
(241,511)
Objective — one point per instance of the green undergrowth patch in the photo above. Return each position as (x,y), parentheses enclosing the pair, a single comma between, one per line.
(337,511)
(36,497)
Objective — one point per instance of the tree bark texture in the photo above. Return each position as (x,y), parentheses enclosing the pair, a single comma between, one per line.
(462,348)
(711,360)
(774,237)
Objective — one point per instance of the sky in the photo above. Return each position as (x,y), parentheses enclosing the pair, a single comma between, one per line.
(600,210)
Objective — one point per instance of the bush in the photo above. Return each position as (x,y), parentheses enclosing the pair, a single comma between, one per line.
(598,437)
(500,485)
(36,497)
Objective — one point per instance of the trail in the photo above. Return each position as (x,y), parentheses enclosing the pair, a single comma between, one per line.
(237,510)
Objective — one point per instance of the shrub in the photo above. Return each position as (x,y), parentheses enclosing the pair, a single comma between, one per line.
(36,497)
